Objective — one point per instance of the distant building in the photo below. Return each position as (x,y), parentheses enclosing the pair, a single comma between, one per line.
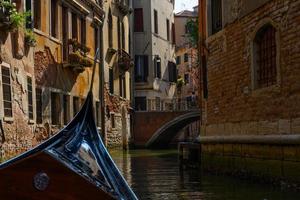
(188,80)
(250,97)
(118,72)
(154,54)
(186,58)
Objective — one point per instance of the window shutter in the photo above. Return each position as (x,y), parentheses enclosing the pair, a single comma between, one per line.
(145,67)
(138,20)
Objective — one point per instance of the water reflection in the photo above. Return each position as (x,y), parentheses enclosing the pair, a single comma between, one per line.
(155,175)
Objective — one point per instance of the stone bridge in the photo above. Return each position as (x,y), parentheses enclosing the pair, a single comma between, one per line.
(156,129)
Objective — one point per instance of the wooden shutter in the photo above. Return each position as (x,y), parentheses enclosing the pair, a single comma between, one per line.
(39,106)
(145,58)
(6,87)
(30,97)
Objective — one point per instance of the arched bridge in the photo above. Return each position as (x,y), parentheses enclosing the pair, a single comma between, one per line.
(157,129)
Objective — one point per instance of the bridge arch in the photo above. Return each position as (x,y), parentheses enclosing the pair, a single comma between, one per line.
(163,136)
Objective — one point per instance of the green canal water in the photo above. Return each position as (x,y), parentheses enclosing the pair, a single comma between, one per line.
(156,175)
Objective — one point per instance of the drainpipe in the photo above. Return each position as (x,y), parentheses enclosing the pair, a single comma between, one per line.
(101,88)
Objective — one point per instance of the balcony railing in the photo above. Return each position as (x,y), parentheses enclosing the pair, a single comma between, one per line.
(175,104)
(124,60)
(123,6)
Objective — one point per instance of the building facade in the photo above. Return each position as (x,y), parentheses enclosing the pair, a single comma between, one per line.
(154,54)
(118,69)
(250,86)
(187,58)
(48,76)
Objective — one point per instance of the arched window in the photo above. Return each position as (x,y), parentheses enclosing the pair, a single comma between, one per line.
(110,29)
(264,55)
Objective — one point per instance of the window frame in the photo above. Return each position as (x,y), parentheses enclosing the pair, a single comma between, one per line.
(32,99)
(138,27)
(37,105)
(254,85)
(6,118)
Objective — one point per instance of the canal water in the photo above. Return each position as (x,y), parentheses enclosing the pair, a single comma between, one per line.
(156,175)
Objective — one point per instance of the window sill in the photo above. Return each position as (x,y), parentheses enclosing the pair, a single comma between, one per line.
(269,89)
(8,119)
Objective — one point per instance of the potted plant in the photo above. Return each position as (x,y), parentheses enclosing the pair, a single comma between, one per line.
(10,18)
(30,38)
(180,82)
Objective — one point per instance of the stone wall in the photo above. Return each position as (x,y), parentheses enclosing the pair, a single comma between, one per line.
(233,105)
(117,112)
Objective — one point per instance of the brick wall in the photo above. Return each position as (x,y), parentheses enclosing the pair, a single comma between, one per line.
(233,107)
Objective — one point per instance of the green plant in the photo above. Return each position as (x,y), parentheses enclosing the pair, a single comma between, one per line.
(193,35)
(75,57)
(180,82)
(30,38)
(86,62)
(10,18)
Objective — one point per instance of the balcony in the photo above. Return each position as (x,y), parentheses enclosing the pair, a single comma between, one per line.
(123,6)
(77,57)
(124,60)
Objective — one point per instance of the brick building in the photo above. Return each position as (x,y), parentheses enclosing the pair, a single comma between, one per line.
(250,85)
(46,70)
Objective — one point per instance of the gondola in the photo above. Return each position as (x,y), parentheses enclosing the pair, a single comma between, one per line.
(73,164)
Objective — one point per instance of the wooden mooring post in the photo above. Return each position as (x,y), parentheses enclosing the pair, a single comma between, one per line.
(189,154)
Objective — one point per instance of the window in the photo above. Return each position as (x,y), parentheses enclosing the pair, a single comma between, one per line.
(265,71)
(28,18)
(110,29)
(123,35)
(39,106)
(119,33)
(168,29)
(122,85)
(6,87)
(66,108)
(141,68)
(173,34)
(186,78)
(186,57)
(111,81)
(172,72)
(37,14)
(155,22)
(178,60)
(65,32)
(76,105)
(96,39)
(112,120)
(30,97)
(74,26)
(157,103)
(140,103)
(205,77)
(83,31)
(98,114)
(157,67)
(216,15)
(55,108)
(138,20)
(53,18)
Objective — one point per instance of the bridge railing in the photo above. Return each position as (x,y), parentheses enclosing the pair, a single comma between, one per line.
(175,104)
